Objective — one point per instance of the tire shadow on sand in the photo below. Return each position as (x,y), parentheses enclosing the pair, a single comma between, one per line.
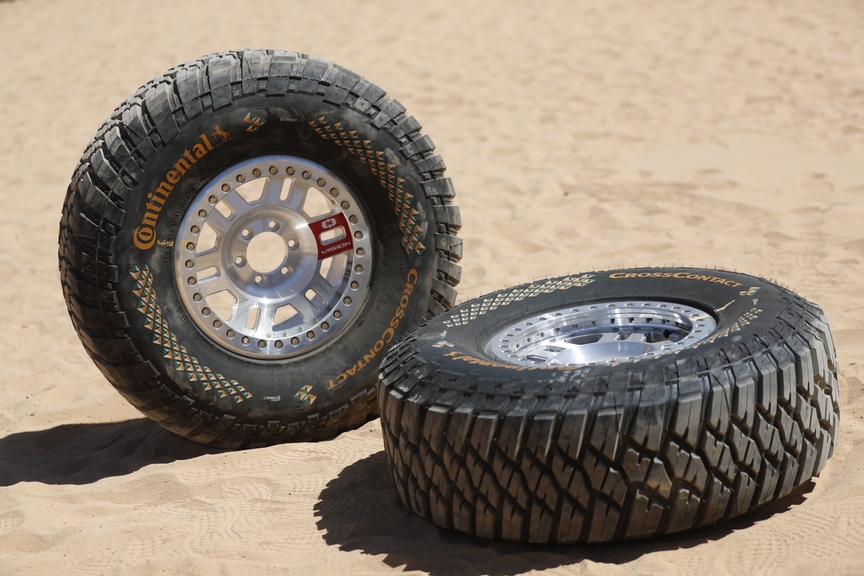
(86,453)
(360,510)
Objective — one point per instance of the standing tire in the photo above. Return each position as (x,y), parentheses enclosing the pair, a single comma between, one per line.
(244,239)
(610,405)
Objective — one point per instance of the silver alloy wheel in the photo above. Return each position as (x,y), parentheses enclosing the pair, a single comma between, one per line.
(273,257)
(602,332)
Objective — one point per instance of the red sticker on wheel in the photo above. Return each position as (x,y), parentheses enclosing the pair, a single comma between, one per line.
(341,242)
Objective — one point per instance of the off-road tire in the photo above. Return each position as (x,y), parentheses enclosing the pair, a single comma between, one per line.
(150,161)
(611,451)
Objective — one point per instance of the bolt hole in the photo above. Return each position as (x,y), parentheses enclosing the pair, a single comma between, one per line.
(245,340)
(278,344)
(289,170)
(256,172)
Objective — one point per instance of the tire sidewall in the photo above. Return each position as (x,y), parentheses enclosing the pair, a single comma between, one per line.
(338,369)
(744,308)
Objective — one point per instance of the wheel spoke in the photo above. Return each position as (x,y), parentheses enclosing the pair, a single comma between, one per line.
(298,197)
(322,287)
(241,314)
(636,337)
(219,224)
(210,259)
(266,315)
(213,284)
(304,308)
(236,202)
(273,190)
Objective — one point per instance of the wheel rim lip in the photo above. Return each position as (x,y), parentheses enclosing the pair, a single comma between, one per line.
(340,309)
(586,333)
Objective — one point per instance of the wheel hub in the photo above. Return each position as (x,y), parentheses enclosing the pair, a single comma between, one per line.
(601,333)
(273,257)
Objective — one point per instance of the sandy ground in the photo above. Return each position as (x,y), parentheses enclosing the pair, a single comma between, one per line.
(580,135)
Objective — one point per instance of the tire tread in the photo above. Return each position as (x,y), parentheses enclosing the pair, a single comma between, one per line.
(740,428)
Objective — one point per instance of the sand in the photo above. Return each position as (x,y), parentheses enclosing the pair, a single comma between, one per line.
(579,136)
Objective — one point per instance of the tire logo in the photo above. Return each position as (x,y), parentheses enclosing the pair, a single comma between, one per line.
(144,236)
(386,336)
(254,121)
(171,349)
(304,396)
(413,230)
(465,315)
(335,246)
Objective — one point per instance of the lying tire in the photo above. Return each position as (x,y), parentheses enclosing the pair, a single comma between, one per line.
(610,405)
(244,239)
